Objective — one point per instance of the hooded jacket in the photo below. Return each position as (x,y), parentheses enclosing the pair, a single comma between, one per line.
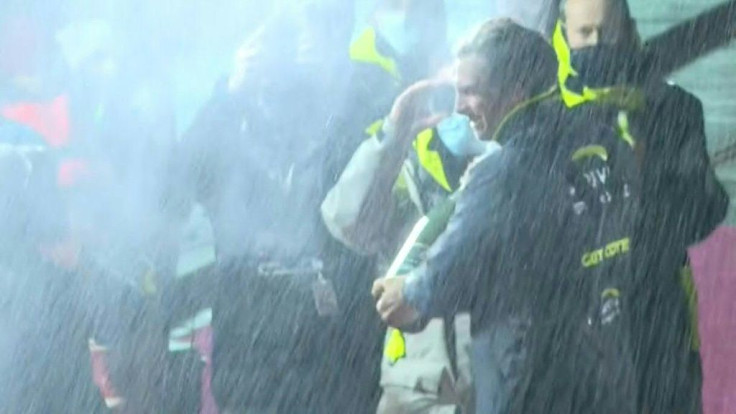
(556,286)
(684,202)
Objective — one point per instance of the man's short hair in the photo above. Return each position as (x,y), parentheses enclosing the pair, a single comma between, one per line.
(516,56)
(630,36)
(621,5)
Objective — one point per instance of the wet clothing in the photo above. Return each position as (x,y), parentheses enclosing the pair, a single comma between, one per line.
(45,342)
(260,164)
(419,369)
(43,308)
(430,370)
(114,187)
(433,375)
(45,314)
(683,198)
(528,298)
(498,259)
(684,205)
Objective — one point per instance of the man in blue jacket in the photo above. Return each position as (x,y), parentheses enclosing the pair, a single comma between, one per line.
(589,185)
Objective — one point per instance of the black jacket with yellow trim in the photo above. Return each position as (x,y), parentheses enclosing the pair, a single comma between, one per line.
(516,255)
(501,259)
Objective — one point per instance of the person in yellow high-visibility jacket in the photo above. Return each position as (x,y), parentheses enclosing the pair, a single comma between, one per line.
(428,371)
(388,184)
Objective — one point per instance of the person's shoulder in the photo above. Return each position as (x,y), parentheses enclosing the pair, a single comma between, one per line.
(540,113)
(671,88)
(490,168)
(676,96)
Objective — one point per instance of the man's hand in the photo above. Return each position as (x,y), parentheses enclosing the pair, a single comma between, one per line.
(411,112)
(390,304)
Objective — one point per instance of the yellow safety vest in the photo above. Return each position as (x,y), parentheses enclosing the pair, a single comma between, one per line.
(364,50)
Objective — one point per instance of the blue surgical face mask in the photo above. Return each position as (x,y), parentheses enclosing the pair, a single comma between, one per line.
(457,135)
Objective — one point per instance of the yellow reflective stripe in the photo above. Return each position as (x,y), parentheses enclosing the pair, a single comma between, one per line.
(519,108)
(688,285)
(608,252)
(589,151)
(623,129)
(395,348)
(610,293)
(363,49)
(565,69)
(430,160)
(374,128)
(630,99)
(627,97)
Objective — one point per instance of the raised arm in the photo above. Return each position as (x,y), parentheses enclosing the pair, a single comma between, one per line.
(360,210)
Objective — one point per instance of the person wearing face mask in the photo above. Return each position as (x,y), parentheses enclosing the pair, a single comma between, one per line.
(544,241)
(390,183)
(403,42)
(420,371)
(413,33)
(600,51)
(548,314)
(566,235)
(427,371)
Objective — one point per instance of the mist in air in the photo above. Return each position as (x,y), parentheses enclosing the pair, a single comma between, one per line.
(175,227)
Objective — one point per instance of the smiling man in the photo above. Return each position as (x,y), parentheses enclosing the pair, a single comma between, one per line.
(416,162)
(502,67)
(483,95)
(571,238)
